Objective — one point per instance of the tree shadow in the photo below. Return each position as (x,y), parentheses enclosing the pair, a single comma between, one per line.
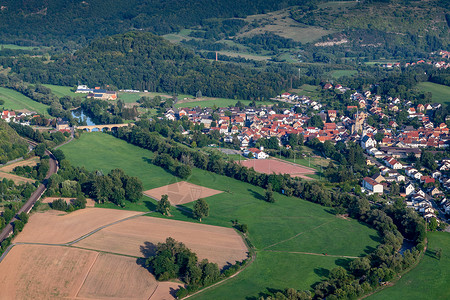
(270,292)
(150,205)
(256,194)
(343,262)
(322,272)
(375,238)
(148,249)
(369,249)
(185,211)
(147,160)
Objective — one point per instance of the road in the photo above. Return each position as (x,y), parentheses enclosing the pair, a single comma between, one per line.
(8,230)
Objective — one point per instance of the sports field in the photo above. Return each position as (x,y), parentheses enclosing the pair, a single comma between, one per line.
(299,231)
(440,93)
(269,166)
(17,101)
(429,280)
(218,102)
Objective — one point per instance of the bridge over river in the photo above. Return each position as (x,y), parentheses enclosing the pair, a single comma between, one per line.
(109,127)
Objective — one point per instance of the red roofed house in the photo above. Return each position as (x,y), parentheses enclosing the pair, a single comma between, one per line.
(371,185)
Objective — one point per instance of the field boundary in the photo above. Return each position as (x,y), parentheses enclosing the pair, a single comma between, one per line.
(87,274)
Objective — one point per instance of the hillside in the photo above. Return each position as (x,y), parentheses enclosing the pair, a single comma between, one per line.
(55,22)
(139,60)
(11,145)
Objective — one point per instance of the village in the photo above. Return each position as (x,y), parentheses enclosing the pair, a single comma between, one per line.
(386,144)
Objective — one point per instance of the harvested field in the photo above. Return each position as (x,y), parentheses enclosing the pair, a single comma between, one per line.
(15,178)
(29,162)
(118,277)
(138,237)
(89,201)
(269,166)
(44,272)
(181,192)
(57,227)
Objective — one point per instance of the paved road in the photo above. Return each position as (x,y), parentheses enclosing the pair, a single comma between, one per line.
(8,230)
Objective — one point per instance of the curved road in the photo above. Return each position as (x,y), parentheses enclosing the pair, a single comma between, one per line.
(8,230)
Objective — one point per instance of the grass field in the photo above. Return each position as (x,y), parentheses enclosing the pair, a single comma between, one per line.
(340,73)
(429,280)
(219,102)
(16,101)
(133,97)
(62,91)
(307,90)
(16,47)
(440,93)
(289,225)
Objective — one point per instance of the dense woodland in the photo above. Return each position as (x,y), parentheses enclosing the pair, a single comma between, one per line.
(144,61)
(11,145)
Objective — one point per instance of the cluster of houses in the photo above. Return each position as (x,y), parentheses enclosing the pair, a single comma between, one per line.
(96,93)
(436,64)
(18,116)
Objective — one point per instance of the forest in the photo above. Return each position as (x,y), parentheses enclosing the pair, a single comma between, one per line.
(139,60)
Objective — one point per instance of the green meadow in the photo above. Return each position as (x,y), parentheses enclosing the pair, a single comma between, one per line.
(340,73)
(62,91)
(429,280)
(440,93)
(218,102)
(16,101)
(282,233)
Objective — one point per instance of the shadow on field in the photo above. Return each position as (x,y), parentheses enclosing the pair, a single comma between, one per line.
(369,249)
(270,292)
(322,272)
(150,205)
(256,194)
(147,160)
(185,211)
(147,250)
(375,238)
(343,262)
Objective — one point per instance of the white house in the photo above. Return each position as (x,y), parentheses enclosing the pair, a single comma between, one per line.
(372,185)
(409,189)
(257,153)
(367,142)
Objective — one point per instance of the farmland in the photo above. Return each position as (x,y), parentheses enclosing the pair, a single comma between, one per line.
(17,101)
(431,275)
(268,166)
(289,225)
(340,73)
(440,93)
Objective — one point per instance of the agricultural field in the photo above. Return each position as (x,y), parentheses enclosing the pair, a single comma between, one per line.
(134,97)
(340,73)
(61,91)
(17,101)
(56,227)
(16,47)
(307,90)
(181,192)
(139,235)
(291,233)
(33,161)
(57,272)
(429,280)
(15,178)
(440,93)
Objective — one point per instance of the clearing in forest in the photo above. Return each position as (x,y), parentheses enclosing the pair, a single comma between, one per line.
(181,192)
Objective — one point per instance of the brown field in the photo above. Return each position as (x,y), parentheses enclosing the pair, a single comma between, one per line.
(269,166)
(15,178)
(181,192)
(57,227)
(56,272)
(138,236)
(44,272)
(89,201)
(117,277)
(29,162)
